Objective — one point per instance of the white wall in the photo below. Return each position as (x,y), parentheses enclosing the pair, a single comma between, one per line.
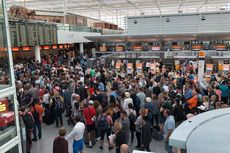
(74,37)
(180,23)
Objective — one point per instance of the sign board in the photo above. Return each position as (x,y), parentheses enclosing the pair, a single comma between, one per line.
(3,105)
(130,68)
(139,68)
(226,67)
(209,69)
(148,64)
(118,65)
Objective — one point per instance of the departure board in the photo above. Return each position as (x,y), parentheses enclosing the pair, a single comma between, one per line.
(2,43)
(48,34)
(14,34)
(32,35)
(40,33)
(23,34)
(54,34)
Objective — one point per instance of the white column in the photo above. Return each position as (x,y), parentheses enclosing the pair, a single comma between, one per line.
(201,66)
(81,48)
(37,54)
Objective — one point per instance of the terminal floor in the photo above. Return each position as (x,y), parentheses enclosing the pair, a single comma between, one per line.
(45,144)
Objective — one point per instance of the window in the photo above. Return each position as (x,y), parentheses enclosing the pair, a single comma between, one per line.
(4,64)
(7,120)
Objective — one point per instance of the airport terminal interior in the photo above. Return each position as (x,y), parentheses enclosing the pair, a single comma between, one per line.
(119,76)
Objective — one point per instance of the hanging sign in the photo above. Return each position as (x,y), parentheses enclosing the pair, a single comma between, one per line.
(139,68)
(130,68)
(209,69)
(226,67)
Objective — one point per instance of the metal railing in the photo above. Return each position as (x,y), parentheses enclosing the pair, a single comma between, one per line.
(78,28)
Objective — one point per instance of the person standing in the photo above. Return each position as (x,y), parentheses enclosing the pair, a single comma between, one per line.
(146,134)
(120,136)
(125,125)
(168,129)
(89,114)
(77,134)
(29,124)
(37,112)
(60,144)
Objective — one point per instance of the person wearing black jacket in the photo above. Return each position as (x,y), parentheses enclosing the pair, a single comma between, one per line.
(146,135)
(120,136)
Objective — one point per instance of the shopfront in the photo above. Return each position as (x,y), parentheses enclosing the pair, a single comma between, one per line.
(10,139)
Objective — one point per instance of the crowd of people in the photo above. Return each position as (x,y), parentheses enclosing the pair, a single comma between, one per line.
(101,101)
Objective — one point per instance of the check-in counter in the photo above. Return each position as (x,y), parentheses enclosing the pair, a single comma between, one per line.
(137,48)
(197,47)
(155,48)
(176,47)
(102,49)
(220,47)
(119,49)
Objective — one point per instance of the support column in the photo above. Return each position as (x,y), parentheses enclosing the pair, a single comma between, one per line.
(81,48)
(201,65)
(37,54)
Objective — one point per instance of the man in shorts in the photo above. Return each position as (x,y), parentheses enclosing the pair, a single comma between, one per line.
(77,134)
(89,114)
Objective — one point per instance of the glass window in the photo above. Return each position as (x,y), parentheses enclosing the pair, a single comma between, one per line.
(15,149)
(4,64)
(7,120)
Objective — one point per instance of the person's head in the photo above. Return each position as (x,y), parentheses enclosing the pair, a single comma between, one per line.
(148,100)
(124,115)
(62,132)
(167,113)
(154,97)
(130,106)
(124,148)
(91,102)
(78,118)
(117,126)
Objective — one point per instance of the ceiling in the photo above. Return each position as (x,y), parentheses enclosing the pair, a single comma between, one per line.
(115,10)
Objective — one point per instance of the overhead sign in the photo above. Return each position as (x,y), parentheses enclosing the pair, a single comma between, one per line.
(130,68)
(139,68)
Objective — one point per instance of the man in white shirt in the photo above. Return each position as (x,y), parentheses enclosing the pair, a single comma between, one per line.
(77,135)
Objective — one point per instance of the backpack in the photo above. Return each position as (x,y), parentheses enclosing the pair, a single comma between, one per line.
(59,104)
(132,117)
(28,121)
(35,115)
(102,123)
(156,134)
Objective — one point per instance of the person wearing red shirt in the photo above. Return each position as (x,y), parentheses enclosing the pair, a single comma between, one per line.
(89,114)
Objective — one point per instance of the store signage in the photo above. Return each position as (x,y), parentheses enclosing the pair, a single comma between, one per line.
(3,105)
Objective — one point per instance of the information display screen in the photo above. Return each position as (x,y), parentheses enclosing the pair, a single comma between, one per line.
(48,34)
(32,35)
(23,33)
(54,34)
(2,44)
(14,33)
(40,33)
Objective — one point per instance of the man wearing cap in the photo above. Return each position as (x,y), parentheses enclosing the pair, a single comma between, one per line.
(77,134)
(89,114)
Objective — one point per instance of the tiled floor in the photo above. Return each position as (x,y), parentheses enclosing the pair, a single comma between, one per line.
(50,132)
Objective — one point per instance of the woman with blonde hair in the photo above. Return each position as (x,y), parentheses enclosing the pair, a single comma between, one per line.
(120,136)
